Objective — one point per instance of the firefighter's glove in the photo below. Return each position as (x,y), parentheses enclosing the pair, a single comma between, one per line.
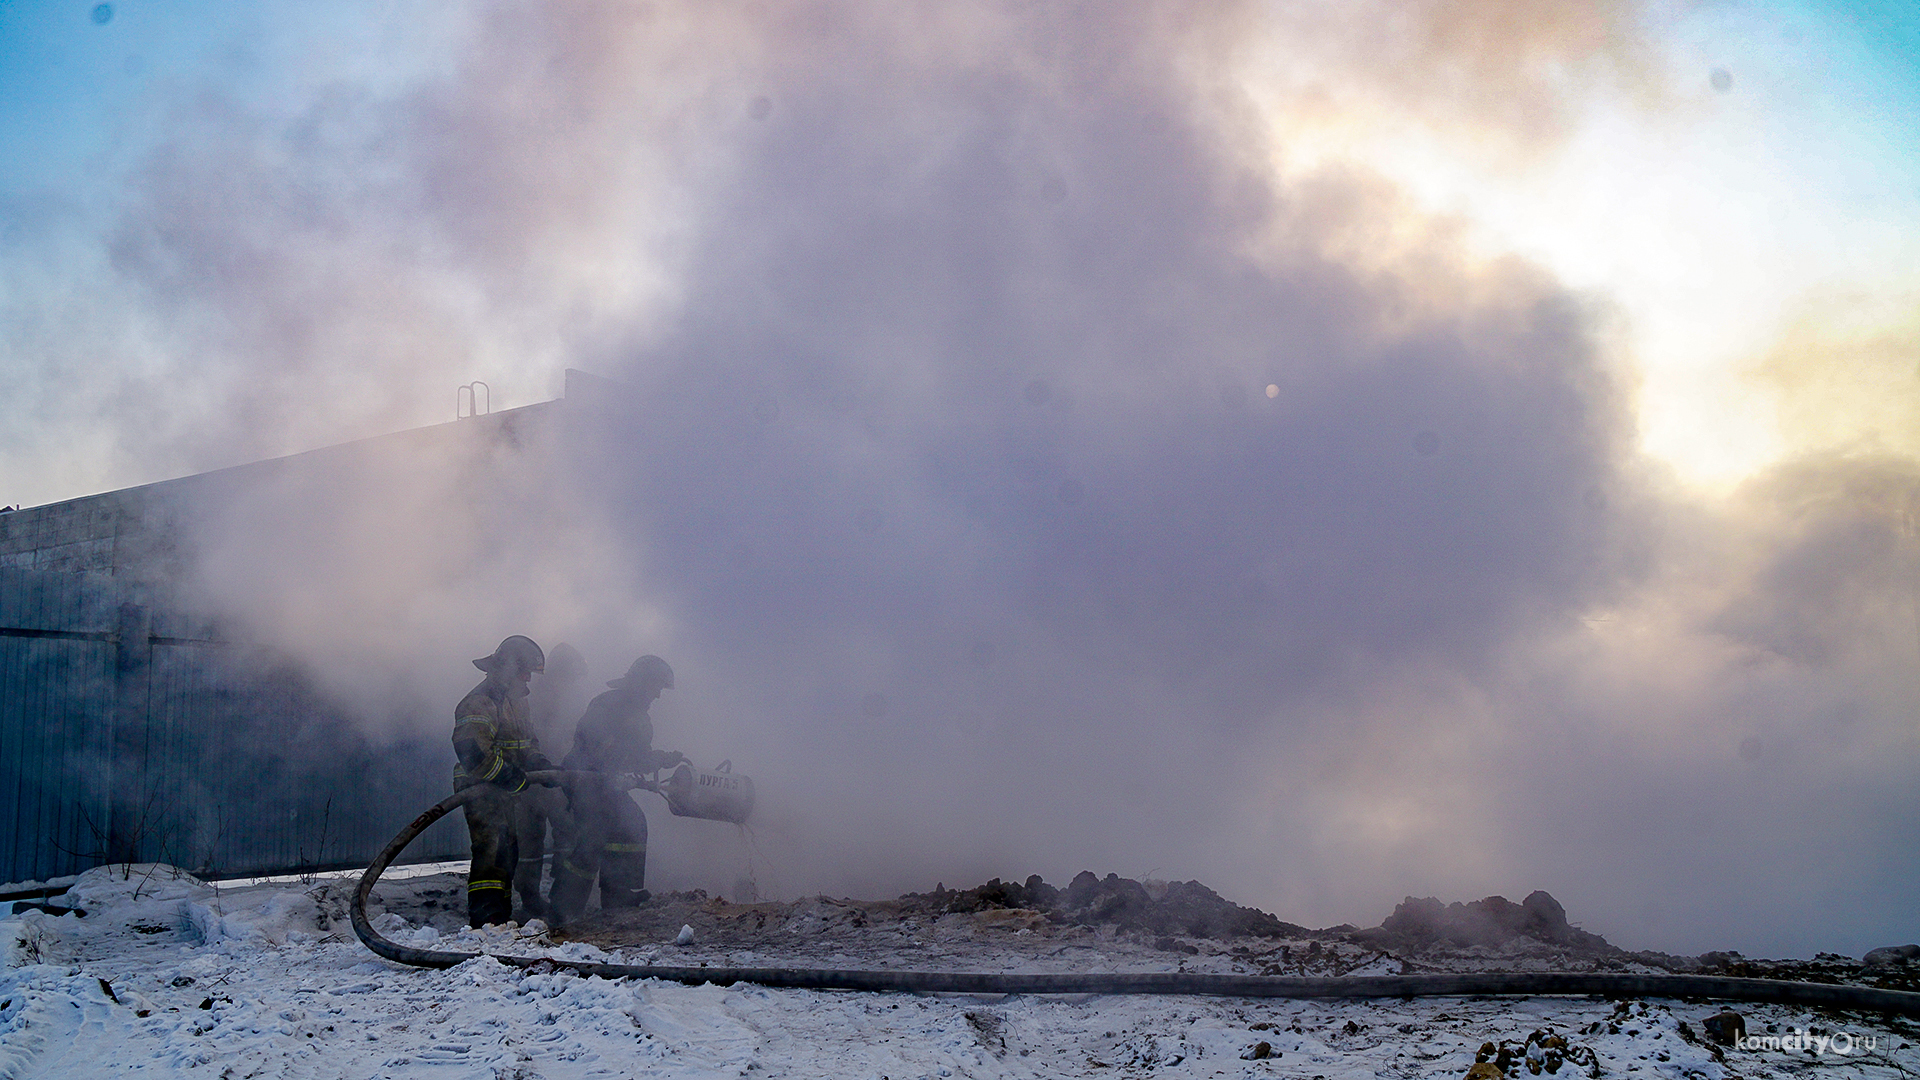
(669,758)
(510,778)
(539,764)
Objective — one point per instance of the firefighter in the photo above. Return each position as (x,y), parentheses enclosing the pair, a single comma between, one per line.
(615,736)
(494,742)
(555,695)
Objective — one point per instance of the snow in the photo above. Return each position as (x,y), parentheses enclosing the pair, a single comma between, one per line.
(171,976)
(33,888)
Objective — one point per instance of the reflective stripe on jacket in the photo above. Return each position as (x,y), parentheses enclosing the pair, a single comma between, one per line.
(492,739)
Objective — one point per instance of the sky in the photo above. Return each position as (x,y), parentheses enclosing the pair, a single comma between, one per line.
(1332,451)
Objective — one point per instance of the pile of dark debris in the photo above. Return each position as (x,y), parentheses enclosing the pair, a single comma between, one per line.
(1420,928)
(1422,934)
(1419,924)
(1184,908)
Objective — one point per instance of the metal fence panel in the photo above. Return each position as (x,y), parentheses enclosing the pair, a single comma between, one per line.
(54,702)
(136,736)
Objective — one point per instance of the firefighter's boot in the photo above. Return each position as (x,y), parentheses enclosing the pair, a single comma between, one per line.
(571,887)
(488,902)
(623,875)
(526,885)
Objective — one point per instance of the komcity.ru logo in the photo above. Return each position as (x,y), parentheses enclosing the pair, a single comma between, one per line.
(1799,1041)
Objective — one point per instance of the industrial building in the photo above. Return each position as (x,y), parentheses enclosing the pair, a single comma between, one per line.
(133,729)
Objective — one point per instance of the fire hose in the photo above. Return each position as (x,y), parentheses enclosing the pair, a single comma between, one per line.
(1470,984)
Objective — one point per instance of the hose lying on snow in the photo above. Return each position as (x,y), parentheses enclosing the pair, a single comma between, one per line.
(1478,983)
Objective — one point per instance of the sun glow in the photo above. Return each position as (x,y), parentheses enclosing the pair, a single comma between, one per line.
(1716,220)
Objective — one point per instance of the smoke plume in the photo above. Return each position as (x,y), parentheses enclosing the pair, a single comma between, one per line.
(1024,472)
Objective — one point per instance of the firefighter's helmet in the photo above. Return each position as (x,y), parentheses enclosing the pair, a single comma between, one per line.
(565,663)
(646,670)
(516,654)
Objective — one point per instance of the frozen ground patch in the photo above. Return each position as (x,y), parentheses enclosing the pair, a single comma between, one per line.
(186,979)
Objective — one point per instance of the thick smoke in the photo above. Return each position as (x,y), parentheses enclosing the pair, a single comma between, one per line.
(1022,478)
(959,459)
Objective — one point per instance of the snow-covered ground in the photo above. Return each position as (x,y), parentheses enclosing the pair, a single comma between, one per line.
(169,976)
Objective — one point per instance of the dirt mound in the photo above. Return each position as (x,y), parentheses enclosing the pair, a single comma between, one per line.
(1185,908)
(1031,925)
(998,926)
(1426,922)
(1872,970)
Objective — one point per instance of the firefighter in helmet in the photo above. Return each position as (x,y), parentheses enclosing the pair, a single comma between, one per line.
(554,700)
(615,736)
(494,742)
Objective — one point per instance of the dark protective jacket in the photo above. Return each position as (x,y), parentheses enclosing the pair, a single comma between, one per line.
(616,736)
(493,737)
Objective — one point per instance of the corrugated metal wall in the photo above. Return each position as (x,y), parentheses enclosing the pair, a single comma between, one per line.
(56,689)
(133,735)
